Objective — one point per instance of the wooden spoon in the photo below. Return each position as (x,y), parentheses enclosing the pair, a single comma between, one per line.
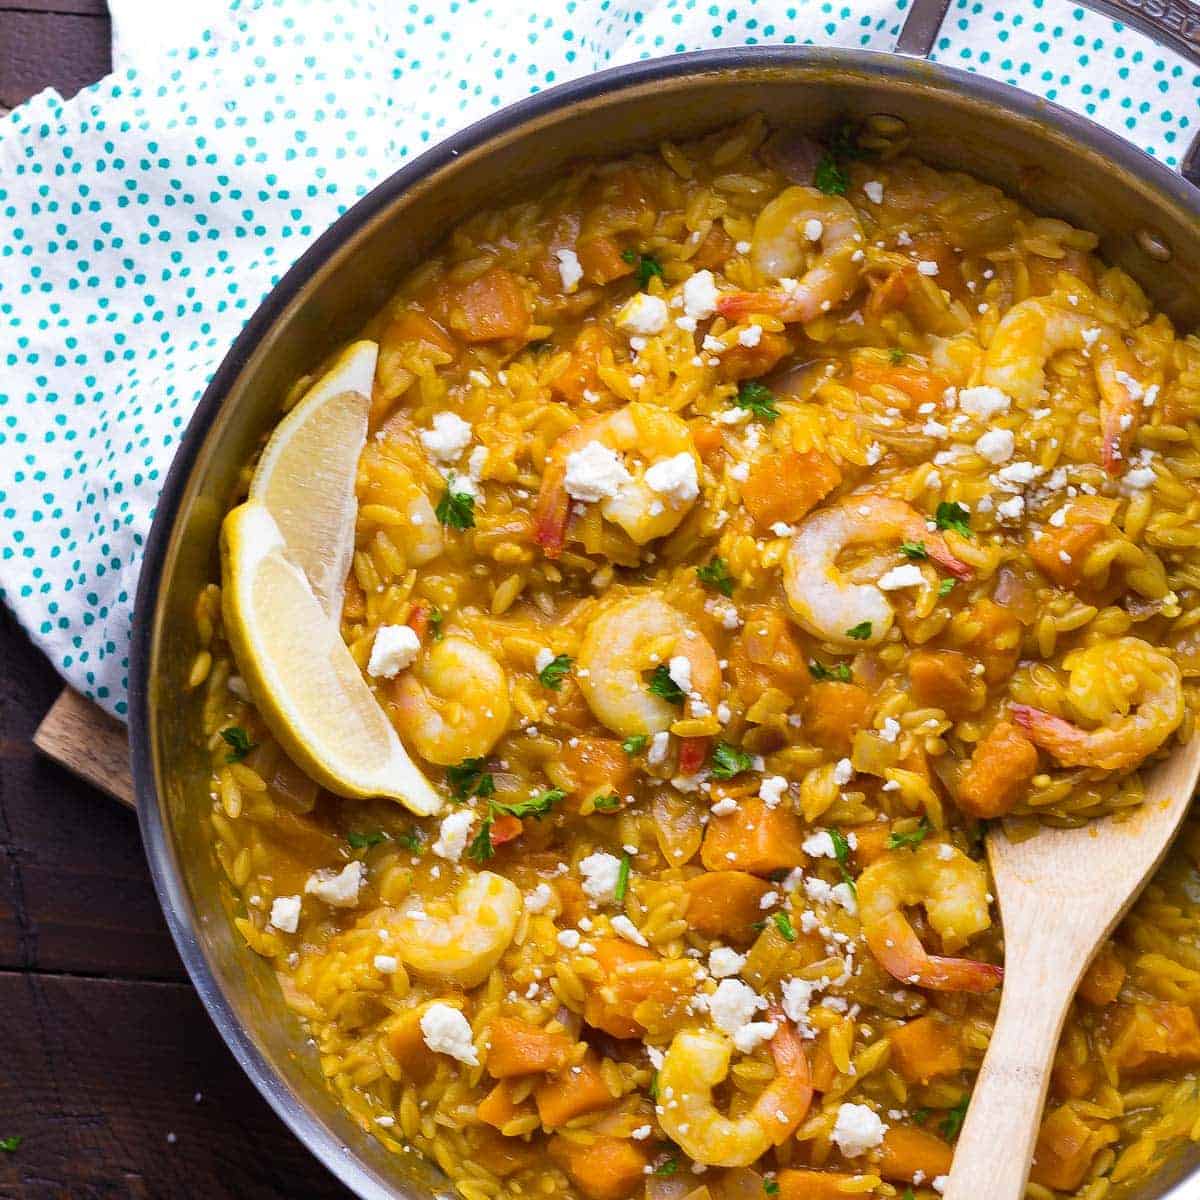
(1061,893)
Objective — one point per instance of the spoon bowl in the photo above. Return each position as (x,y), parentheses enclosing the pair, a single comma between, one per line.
(1061,892)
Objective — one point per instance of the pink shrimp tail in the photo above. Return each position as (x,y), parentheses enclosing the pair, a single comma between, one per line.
(899,951)
(736,305)
(942,556)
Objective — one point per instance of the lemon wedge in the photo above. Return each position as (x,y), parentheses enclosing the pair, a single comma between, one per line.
(306,684)
(305,477)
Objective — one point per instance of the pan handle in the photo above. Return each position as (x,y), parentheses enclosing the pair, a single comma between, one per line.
(1173,23)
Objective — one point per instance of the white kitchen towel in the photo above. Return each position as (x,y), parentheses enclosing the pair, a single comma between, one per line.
(142,221)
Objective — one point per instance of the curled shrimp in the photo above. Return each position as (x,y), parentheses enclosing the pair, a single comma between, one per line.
(781,248)
(954,893)
(1032,332)
(459,942)
(453,703)
(695,1062)
(1135,689)
(626,642)
(390,495)
(822,600)
(643,438)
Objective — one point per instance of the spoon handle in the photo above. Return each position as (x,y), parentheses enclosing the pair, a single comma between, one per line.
(996,1145)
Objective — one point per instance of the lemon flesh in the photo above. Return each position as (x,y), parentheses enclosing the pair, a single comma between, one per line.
(305,477)
(305,682)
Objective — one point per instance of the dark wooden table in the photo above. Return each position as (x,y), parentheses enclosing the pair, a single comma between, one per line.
(110,1071)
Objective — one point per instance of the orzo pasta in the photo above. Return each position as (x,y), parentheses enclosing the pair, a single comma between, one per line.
(732,539)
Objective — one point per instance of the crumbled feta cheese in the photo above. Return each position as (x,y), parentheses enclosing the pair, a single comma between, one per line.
(1012,509)
(544,658)
(996,445)
(724,962)
(819,845)
(740,470)
(733,1005)
(568,939)
(1139,478)
(934,429)
(797,998)
(641,1133)
(447,1031)
(1018,474)
(771,790)
(624,927)
(742,247)
(285,913)
(336,888)
(595,473)
(983,402)
(643,313)
(750,336)
(857,1130)
(724,807)
(891,729)
(700,296)
(675,478)
(904,576)
(448,438)
(452,837)
(1091,336)
(539,899)
(927,267)
(874,191)
(750,1036)
(843,772)
(569,270)
(386,964)
(600,873)
(680,671)
(658,748)
(394,648)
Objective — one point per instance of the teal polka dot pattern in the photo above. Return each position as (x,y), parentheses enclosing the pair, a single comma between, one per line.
(143,220)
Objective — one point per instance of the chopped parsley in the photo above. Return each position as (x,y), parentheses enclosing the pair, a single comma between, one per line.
(667,1167)
(555,671)
(635,744)
(622,880)
(860,632)
(410,841)
(481,848)
(663,686)
(896,356)
(771,1187)
(784,924)
(609,803)
(536,806)
(914,550)
(470,778)
(953,1120)
(728,761)
(841,849)
(912,839)
(364,841)
(909,1194)
(9,1144)
(758,399)
(952,515)
(645,266)
(921,1115)
(239,743)
(946,587)
(435,624)
(839,671)
(830,178)
(456,509)
(715,575)
(652,1090)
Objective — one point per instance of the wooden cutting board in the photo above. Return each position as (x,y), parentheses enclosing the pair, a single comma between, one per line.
(82,737)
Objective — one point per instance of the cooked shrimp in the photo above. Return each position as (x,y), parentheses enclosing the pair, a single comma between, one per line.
(695,1062)
(1135,689)
(639,462)
(824,602)
(453,703)
(1032,332)
(627,641)
(391,496)
(461,944)
(783,244)
(954,893)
